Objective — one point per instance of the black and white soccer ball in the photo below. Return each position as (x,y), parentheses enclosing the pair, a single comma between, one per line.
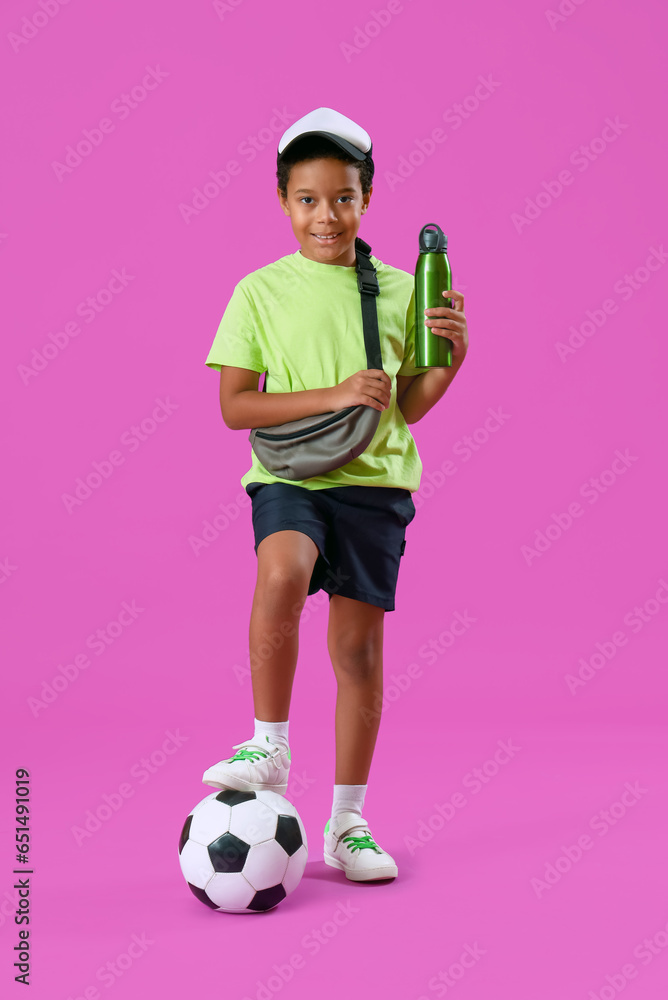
(243,852)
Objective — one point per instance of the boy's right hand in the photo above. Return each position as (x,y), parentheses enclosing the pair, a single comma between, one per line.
(371,386)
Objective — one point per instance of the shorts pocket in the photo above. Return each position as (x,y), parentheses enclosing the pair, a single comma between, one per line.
(405,511)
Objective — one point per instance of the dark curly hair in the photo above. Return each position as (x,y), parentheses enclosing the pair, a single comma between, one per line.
(315,147)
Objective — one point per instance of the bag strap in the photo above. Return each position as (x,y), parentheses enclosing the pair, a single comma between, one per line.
(367,282)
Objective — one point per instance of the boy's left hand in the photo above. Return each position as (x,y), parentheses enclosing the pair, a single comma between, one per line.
(450,323)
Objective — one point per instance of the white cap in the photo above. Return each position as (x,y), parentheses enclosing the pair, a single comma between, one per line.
(332,125)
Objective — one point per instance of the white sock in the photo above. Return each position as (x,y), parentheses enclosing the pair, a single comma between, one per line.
(348,798)
(276,731)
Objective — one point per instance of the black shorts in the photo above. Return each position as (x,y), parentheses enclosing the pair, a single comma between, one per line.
(359,531)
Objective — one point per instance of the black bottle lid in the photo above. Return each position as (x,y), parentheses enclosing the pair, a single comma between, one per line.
(433,242)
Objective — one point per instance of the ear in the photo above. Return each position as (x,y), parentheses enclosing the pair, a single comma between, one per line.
(283,201)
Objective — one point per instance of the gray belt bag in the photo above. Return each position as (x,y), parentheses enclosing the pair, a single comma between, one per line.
(312,446)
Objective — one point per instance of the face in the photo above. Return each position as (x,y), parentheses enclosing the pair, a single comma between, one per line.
(325,196)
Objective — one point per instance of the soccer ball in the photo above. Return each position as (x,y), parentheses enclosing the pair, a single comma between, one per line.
(243,852)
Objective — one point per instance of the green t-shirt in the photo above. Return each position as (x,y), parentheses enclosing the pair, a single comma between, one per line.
(301,321)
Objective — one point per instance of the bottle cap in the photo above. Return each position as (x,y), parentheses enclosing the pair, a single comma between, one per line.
(431,242)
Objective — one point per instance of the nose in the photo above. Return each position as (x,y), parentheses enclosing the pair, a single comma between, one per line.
(325,212)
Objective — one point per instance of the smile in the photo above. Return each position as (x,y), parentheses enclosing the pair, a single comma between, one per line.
(326,239)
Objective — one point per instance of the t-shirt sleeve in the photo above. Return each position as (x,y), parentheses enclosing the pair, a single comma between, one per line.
(236,342)
(408,364)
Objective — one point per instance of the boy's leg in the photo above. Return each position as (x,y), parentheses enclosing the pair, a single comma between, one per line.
(285,564)
(286,559)
(355,643)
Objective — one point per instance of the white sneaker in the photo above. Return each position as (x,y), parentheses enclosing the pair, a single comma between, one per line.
(258,765)
(350,847)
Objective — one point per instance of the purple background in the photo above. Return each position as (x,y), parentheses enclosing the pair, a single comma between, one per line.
(555,221)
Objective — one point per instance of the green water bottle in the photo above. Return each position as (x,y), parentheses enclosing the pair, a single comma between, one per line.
(433,276)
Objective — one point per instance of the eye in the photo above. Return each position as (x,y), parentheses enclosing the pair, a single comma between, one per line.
(307,197)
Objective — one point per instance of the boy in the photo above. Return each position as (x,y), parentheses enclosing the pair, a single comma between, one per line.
(300,320)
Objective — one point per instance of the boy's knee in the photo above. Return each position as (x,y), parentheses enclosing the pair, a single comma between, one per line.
(358,657)
(286,585)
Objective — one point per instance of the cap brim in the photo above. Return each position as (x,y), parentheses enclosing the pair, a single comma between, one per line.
(336,139)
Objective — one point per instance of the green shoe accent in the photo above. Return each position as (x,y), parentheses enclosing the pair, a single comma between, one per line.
(359,843)
(327,827)
(246,754)
(289,755)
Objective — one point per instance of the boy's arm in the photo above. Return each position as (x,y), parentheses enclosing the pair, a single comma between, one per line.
(243,407)
(416,394)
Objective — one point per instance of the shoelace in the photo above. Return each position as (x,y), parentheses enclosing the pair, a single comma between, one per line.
(247,754)
(360,842)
